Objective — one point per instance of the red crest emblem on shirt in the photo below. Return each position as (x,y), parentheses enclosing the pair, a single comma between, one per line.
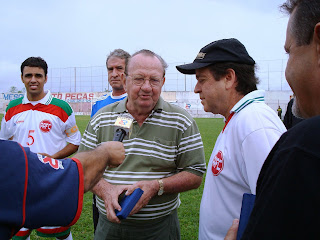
(45,126)
(217,164)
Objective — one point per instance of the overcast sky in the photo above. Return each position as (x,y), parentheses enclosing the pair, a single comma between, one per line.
(75,33)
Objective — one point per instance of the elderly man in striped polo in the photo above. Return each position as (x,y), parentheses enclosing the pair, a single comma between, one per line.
(164,156)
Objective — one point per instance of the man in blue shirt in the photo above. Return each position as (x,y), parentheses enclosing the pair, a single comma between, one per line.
(116,65)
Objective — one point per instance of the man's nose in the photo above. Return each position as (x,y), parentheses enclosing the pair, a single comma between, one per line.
(196,88)
(146,84)
(33,78)
(114,72)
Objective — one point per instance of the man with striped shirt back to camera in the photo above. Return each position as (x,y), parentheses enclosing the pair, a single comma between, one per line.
(164,156)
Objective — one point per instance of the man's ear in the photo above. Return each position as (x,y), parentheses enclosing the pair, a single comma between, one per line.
(123,80)
(46,79)
(22,78)
(316,39)
(317,31)
(230,79)
(164,79)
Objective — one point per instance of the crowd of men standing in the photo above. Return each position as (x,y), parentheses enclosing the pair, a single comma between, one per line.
(163,153)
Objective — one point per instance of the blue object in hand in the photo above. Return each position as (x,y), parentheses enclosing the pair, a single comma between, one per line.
(128,203)
(246,209)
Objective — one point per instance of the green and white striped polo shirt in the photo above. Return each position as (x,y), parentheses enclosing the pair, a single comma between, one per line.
(167,142)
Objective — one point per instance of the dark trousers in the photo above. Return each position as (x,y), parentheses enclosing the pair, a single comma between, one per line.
(95,213)
(166,228)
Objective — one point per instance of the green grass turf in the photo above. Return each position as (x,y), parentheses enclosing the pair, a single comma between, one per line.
(190,201)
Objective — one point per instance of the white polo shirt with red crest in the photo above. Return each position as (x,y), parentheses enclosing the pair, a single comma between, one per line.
(250,132)
(45,125)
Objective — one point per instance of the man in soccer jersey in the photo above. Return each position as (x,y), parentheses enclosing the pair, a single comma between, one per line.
(227,85)
(45,124)
(164,156)
(116,65)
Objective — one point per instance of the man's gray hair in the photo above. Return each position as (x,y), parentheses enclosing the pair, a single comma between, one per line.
(119,53)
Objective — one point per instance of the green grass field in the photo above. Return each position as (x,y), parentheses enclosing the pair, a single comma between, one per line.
(190,201)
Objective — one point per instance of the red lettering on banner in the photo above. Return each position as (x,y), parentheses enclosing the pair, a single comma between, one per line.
(74,96)
(57,95)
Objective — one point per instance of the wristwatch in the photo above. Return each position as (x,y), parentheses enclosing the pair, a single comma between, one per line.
(160,192)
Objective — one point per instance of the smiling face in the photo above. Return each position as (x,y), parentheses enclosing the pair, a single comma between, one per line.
(34,79)
(302,73)
(143,98)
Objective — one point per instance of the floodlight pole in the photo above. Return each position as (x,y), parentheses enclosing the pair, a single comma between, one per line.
(75,79)
(185,81)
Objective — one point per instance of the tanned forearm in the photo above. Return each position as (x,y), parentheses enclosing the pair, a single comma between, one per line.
(95,161)
(68,150)
(181,182)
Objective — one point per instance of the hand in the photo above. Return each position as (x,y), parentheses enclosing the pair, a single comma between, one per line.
(45,154)
(94,162)
(150,189)
(116,152)
(110,195)
(233,230)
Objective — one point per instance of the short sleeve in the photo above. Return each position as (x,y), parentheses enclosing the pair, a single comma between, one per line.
(72,131)
(255,154)
(54,191)
(190,155)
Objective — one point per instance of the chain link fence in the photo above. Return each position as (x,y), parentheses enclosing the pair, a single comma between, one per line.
(95,78)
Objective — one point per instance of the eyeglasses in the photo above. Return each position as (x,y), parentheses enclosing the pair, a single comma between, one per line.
(139,80)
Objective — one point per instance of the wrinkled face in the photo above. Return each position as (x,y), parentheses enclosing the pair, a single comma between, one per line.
(211,92)
(116,67)
(300,72)
(34,79)
(143,83)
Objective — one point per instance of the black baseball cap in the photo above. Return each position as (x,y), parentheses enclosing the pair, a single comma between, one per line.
(224,50)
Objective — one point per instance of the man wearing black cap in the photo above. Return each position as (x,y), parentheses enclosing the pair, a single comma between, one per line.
(227,85)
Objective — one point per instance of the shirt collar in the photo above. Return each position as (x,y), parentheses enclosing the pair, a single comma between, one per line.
(254,96)
(118,97)
(46,100)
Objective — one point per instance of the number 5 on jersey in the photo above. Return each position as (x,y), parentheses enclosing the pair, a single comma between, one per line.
(30,138)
